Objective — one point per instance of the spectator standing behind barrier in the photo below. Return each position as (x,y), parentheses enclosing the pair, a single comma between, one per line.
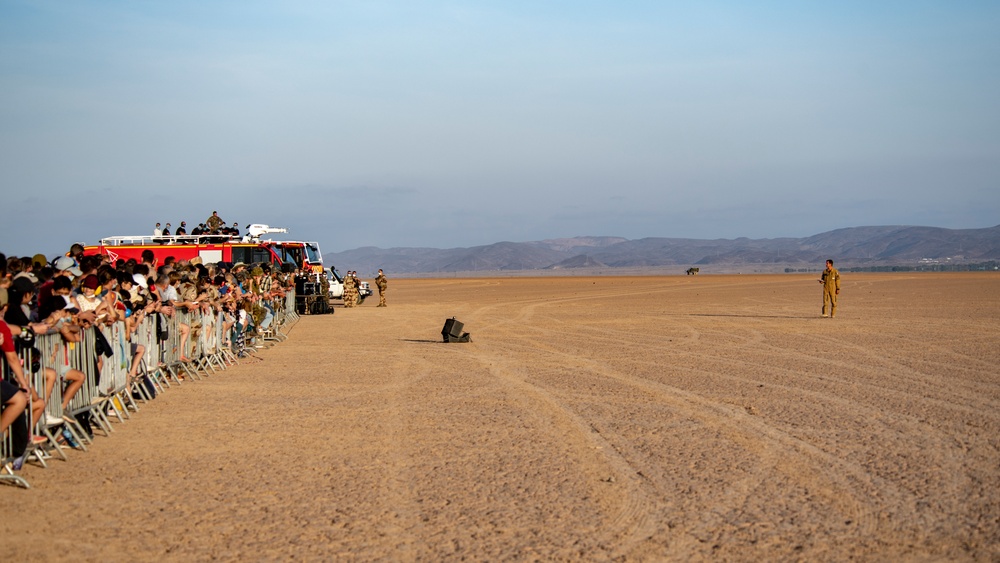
(16,319)
(14,395)
(381,283)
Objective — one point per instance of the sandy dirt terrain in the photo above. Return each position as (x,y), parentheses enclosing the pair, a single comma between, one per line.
(636,418)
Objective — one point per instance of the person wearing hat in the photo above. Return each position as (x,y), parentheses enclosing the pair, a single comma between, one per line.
(64,268)
(19,296)
(65,265)
(39,261)
(87,299)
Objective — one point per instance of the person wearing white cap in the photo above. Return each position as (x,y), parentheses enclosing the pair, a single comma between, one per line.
(67,265)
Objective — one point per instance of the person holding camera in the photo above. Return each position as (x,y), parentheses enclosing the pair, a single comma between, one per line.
(831,288)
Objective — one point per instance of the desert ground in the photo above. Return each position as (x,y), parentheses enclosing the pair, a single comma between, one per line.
(631,418)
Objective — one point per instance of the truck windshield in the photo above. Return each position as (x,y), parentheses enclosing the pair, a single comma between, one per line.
(290,254)
(313,254)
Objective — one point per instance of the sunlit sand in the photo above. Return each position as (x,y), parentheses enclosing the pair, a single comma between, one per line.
(635,418)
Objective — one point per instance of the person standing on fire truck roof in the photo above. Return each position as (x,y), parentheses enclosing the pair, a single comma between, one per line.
(214,222)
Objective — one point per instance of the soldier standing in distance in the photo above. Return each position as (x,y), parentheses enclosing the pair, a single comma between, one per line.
(381,283)
(348,290)
(831,288)
(355,289)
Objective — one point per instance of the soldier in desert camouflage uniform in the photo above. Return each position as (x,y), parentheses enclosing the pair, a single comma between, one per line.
(214,222)
(348,290)
(382,283)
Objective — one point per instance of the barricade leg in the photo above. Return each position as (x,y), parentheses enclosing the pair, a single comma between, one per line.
(78,433)
(7,476)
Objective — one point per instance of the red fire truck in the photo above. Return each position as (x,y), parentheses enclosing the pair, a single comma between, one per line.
(248,249)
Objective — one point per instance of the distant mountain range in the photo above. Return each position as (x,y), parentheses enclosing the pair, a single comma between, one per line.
(855,246)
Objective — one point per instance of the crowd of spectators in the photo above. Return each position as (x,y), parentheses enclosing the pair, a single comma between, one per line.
(73,292)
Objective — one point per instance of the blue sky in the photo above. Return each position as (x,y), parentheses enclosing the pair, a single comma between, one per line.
(447,124)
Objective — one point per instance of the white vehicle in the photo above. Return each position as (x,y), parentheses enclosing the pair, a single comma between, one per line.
(336,281)
(337,285)
(364,290)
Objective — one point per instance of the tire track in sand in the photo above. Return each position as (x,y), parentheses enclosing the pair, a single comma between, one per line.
(635,521)
(845,485)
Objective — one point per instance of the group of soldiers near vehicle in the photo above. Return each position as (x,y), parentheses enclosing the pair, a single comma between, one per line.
(352,284)
(351,289)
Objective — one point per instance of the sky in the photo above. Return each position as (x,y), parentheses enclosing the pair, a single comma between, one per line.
(452,124)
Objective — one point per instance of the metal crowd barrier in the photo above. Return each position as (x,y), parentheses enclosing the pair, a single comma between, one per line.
(108,391)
